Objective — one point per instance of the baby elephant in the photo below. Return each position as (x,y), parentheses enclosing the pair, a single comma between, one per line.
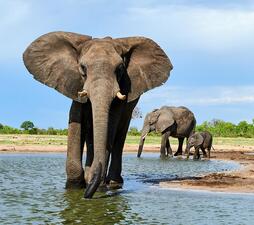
(200,140)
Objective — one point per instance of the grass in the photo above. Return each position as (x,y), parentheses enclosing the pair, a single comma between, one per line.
(22,139)
(26,139)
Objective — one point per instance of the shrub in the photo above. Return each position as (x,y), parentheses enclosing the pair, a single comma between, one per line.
(133,131)
(27,125)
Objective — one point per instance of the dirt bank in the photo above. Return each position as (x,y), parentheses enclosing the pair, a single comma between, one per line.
(240,181)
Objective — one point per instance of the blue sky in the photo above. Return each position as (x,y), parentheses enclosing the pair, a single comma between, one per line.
(210,43)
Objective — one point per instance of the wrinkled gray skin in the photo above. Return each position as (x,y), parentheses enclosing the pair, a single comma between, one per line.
(104,78)
(178,122)
(200,140)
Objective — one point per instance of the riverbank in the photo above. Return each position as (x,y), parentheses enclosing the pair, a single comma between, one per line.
(241,180)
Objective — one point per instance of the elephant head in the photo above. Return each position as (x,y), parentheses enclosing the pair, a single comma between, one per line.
(158,120)
(195,140)
(81,67)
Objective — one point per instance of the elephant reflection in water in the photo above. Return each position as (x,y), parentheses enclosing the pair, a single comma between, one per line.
(172,121)
(105,78)
(102,210)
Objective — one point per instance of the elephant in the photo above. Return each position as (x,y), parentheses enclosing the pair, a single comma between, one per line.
(172,121)
(200,140)
(104,77)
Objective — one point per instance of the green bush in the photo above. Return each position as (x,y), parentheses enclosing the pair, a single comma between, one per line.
(10,130)
(27,125)
(221,128)
(133,131)
(218,128)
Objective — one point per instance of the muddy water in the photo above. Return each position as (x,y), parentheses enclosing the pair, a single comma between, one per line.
(32,192)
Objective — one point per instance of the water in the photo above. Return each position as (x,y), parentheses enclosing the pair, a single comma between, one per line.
(32,192)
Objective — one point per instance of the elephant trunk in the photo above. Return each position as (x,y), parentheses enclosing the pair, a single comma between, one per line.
(188,147)
(145,131)
(101,101)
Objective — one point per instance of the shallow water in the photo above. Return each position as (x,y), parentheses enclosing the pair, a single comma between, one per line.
(32,192)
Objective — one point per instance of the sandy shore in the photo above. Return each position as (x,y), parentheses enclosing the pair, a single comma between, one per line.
(241,180)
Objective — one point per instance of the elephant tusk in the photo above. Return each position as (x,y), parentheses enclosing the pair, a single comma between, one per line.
(82,93)
(120,96)
(144,136)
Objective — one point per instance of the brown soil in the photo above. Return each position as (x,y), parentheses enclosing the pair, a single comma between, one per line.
(240,181)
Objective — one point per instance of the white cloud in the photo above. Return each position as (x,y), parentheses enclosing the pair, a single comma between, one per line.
(197,27)
(182,26)
(201,96)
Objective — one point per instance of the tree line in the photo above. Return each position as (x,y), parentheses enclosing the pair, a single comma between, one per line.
(218,128)
(27,127)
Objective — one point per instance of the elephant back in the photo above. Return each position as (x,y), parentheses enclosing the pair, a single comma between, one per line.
(185,120)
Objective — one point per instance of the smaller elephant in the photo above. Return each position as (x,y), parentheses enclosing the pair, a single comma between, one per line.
(178,122)
(200,140)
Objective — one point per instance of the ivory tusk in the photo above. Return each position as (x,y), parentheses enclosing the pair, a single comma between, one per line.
(120,96)
(82,93)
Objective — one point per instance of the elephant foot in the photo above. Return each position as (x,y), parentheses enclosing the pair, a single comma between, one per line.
(75,175)
(163,156)
(115,182)
(75,184)
(114,185)
(178,153)
(196,157)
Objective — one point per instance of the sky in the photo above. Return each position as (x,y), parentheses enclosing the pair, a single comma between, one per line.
(210,44)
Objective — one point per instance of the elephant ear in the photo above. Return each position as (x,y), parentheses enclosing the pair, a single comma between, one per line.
(147,64)
(165,120)
(53,60)
(199,139)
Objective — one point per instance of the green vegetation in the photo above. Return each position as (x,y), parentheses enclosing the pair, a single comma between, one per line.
(26,139)
(27,125)
(218,128)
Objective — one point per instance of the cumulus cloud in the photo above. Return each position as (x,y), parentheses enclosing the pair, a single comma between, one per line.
(196,26)
(201,96)
(199,25)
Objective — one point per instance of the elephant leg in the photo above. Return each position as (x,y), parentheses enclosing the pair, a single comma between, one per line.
(186,149)
(209,152)
(204,153)
(164,139)
(114,178)
(168,148)
(196,154)
(180,147)
(74,169)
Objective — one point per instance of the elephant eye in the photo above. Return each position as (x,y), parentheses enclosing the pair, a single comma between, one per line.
(83,70)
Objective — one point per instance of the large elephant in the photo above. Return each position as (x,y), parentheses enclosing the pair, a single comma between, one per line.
(172,121)
(104,77)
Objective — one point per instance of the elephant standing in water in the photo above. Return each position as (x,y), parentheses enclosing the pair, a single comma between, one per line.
(104,78)
(172,121)
(200,140)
